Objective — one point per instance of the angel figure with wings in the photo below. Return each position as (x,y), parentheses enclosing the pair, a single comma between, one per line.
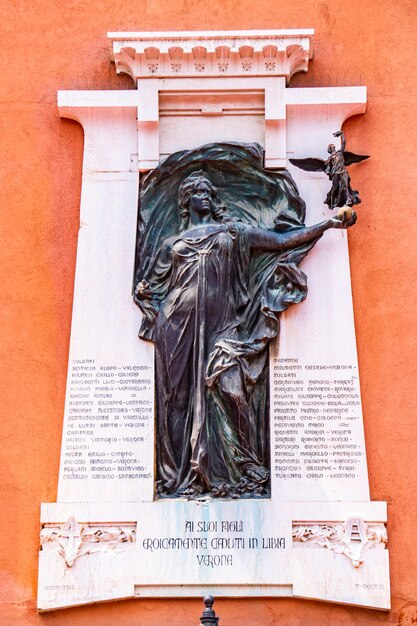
(341,193)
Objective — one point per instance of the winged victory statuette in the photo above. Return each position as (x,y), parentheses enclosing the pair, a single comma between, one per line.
(341,193)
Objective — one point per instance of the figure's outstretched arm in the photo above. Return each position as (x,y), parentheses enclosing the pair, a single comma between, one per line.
(341,134)
(269,240)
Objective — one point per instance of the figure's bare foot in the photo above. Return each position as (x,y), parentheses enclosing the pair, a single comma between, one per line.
(257,473)
(221,491)
(192,491)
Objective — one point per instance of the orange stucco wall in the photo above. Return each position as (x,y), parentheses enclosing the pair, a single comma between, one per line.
(49,45)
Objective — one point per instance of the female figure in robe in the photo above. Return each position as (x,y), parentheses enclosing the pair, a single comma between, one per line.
(211,313)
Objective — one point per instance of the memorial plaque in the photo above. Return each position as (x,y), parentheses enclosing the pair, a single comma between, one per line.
(222,451)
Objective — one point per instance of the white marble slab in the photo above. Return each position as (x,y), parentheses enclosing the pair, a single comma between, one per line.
(317,444)
(330,577)
(96,578)
(317,438)
(108,434)
(231,548)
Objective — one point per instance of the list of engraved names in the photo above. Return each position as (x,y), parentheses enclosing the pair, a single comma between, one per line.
(316,421)
(108,414)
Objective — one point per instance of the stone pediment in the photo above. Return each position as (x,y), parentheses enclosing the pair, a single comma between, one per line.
(212,53)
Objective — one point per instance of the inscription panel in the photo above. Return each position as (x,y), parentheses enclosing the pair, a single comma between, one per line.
(316,429)
(108,440)
(229,542)
(315,412)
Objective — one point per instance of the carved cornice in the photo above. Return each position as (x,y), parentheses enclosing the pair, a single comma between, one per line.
(212,53)
(72,540)
(352,538)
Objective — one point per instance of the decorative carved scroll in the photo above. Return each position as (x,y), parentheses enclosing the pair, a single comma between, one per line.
(352,538)
(73,540)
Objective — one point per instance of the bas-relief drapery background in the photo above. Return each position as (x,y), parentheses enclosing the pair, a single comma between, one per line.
(48,47)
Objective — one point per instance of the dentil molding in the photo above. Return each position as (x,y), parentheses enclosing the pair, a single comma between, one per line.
(212,53)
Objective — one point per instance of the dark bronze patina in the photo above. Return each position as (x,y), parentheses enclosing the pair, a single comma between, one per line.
(219,244)
(208,617)
(341,193)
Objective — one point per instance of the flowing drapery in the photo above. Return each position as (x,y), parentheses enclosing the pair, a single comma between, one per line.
(214,308)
